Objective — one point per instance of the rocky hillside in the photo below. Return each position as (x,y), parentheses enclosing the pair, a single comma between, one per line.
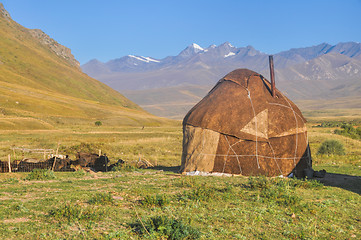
(57,48)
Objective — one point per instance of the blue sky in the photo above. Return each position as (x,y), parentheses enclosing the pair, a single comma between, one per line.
(108,29)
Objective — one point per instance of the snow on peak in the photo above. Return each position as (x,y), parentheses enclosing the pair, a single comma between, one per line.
(229,54)
(150,59)
(196,46)
(144,59)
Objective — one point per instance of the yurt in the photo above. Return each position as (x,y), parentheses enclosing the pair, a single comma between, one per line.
(241,128)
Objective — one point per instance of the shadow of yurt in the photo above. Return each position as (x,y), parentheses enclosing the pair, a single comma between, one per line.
(240,127)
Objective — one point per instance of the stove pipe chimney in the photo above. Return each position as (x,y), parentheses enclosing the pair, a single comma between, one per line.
(272,73)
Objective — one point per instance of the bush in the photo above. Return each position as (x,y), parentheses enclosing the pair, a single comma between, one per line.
(40,174)
(330,147)
(280,195)
(329,124)
(74,213)
(98,123)
(162,227)
(258,182)
(348,130)
(201,193)
(158,200)
(80,173)
(102,199)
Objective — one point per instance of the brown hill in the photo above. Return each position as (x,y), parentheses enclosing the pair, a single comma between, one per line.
(40,80)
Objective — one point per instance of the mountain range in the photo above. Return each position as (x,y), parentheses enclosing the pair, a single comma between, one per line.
(43,87)
(171,86)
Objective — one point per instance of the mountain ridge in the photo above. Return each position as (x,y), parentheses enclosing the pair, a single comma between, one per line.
(319,72)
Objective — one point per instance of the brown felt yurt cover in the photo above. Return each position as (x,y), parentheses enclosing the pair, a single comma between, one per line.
(240,128)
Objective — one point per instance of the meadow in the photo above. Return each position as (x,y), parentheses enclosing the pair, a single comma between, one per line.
(159,203)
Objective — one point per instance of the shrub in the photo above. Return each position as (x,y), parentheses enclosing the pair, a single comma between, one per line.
(74,213)
(201,193)
(163,227)
(102,199)
(348,130)
(258,182)
(158,200)
(98,123)
(80,173)
(330,147)
(280,195)
(329,124)
(10,180)
(189,181)
(40,174)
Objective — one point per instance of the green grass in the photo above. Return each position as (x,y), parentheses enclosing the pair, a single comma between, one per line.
(40,174)
(101,199)
(160,227)
(230,207)
(116,204)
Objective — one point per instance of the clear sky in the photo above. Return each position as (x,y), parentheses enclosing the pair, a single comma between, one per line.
(108,29)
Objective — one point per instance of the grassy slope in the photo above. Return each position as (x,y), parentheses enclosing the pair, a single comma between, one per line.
(36,83)
(172,102)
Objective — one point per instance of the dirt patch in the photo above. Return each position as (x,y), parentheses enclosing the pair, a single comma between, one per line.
(16,220)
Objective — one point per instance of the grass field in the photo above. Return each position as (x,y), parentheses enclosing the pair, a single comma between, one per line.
(122,204)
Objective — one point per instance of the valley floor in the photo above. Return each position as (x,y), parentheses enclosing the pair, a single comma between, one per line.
(122,204)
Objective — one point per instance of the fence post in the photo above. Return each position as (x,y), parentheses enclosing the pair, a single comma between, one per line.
(14,153)
(52,169)
(9,160)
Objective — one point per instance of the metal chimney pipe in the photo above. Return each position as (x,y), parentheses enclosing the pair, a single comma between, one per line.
(272,73)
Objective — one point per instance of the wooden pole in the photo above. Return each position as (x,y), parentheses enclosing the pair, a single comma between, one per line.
(272,73)
(9,162)
(57,151)
(52,169)
(14,154)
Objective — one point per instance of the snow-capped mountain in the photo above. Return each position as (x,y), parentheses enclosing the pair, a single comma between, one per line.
(190,51)
(317,72)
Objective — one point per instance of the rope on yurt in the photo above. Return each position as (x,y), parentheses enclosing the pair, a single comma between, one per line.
(255,122)
(274,157)
(230,147)
(294,114)
(304,133)
(252,155)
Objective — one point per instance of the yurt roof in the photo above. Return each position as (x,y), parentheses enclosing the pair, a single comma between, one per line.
(241,105)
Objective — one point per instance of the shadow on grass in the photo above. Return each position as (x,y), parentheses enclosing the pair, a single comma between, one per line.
(167,169)
(347,182)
